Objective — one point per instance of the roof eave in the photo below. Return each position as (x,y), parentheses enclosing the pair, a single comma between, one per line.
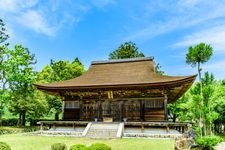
(157,84)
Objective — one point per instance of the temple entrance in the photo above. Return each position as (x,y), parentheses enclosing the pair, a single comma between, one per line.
(113,110)
(117,111)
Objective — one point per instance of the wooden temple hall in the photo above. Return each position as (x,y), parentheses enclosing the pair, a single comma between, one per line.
(119,90)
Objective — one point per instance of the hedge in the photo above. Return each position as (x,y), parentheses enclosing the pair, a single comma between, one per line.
(58,146)
(78,147)
(99,146)
(4,146)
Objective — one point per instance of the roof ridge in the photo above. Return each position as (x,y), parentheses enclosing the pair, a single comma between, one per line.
(123,60)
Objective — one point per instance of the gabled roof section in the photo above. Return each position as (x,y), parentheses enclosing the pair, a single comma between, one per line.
(126,60)
(117,73)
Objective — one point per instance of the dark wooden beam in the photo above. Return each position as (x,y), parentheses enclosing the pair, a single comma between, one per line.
(165,107)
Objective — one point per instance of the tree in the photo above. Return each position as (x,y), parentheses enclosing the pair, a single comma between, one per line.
(21,77)
(3,35)
(219,105)
(178,110)
(209,114)
(4,93)
(16,79)
(126,50)
(130,50)
(198,55)
(38,107)
(59,71)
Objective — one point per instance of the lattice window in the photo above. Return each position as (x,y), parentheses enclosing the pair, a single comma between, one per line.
(72,104)
(154,103)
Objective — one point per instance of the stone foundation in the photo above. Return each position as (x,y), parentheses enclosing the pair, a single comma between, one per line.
(144,135)
(58,133)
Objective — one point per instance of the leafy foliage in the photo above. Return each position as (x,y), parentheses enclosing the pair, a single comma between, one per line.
(178,109)
(3,35)
(9,121)
(21,78)
(4,146)
(58,146)
(130,50)
(211,105)
(208,142)
(78,147)
(126,50)
(158,69)
(200,53)
(3,68)
(59,71)
(13,130)
(99,146)
(197,55)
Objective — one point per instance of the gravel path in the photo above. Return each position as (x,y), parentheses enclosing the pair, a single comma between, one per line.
(220,146)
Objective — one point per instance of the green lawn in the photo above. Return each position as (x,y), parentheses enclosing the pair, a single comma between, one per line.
(27,142)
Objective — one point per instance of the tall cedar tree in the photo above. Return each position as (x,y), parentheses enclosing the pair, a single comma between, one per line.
(198,55)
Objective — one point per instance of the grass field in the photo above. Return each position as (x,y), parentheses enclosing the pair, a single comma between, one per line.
(27,142)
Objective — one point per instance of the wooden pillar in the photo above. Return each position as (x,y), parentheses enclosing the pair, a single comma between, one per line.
(124,110)
(120,110)
(63,107)
(81,110)
(41,128)
(142,111)
(98,109)
(165,107)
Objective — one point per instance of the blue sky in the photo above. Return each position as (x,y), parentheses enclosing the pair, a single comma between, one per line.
(91,29)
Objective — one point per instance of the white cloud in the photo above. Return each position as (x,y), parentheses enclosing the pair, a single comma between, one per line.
(176,15)
(217,68)
(43,17)
(14,6)
(214,36)
(216,65)
(35,21)
(8,5)
(23,13)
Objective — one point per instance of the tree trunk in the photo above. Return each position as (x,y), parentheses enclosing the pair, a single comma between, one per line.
(56,116)
(3,100)
(1,113)
(201,102)
(23,118)
(19,120)
(210,123)
(174,117)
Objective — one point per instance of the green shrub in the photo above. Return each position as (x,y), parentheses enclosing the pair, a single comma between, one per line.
(30,129)
(99,146)
(58,146)
(9,122)
(12,130)
(4,146)
(208,142)
(9,130)
(79,147)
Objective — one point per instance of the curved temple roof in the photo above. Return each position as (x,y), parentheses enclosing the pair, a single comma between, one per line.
(136,72)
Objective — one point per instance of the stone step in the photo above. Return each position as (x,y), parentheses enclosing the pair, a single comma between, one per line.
(103,130)
(104,127)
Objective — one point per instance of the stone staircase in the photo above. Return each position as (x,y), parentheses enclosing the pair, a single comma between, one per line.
(104,130)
